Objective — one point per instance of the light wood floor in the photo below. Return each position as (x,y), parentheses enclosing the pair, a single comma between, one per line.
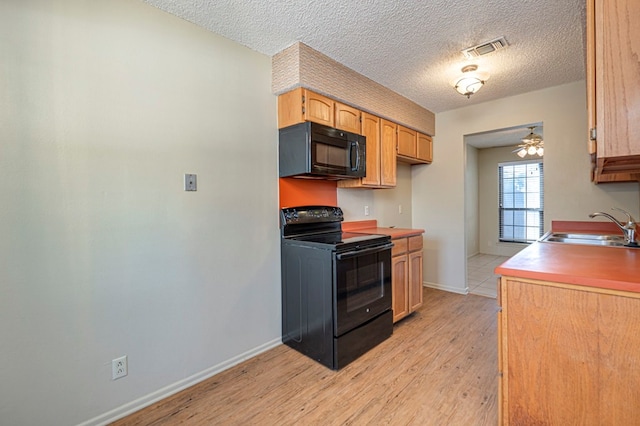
(438,368)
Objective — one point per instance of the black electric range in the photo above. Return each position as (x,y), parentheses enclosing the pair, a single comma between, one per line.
(336,286)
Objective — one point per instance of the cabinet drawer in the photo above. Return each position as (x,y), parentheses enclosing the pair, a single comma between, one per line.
(415,243)
(399,246)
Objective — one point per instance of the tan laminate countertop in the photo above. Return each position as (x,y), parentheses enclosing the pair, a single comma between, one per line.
(371,227)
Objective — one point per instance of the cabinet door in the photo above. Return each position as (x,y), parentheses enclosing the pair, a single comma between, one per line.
(347,118)
(318,108)
(619,375)
(425,148)
(415,280)
(399,280)
(616,77)
(551,368)
(371,130)
(290,108)
(388,153)
(406,142)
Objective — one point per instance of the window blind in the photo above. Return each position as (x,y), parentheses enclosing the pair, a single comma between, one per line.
(521,201)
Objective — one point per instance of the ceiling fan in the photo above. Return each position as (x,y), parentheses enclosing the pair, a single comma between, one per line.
(532,144)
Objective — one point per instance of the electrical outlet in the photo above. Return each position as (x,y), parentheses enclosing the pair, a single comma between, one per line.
(366,210)
(190,182)
(400,208)
(119,367)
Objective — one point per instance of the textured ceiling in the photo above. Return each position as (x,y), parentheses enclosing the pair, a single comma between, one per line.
(413,46)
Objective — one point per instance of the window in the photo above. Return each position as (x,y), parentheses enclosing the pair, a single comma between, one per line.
(521,207)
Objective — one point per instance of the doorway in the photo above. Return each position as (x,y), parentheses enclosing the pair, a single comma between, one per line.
(484,249)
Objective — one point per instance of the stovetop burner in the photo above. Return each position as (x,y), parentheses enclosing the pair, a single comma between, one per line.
(341,241)
(320,226)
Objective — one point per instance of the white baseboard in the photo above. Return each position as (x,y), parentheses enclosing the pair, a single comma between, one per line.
(446,288)
(140,403)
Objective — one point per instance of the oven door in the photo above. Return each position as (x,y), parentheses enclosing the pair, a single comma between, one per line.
(362,286)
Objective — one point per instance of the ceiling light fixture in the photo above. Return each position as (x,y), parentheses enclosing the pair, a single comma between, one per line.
(532,144)
(470,81)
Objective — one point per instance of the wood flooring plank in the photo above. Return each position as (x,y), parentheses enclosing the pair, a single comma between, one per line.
(438,368)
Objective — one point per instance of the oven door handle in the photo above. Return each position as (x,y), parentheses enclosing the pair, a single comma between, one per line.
(355,253)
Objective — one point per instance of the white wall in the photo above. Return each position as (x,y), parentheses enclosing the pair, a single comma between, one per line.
(104,105)
(383,203)
(438,190)
(471,192)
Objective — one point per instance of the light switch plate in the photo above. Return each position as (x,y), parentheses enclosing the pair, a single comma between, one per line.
(190,182)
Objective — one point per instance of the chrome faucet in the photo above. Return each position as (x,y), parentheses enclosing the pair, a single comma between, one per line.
(628,229)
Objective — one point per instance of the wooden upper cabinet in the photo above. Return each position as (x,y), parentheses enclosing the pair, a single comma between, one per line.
(348,119)
(613,89)
(414,147)
(406,142)
(371,130)
(301,105)
(388,143)
(318,108)
(424,148)
(381,154)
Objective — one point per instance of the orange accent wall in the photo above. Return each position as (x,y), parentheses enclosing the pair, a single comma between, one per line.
(307,192)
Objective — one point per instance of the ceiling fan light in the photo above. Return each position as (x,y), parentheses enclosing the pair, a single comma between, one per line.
(532,138)
(532,144)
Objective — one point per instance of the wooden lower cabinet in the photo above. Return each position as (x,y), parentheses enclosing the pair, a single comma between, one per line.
(415,280)
(399,281)
(568,354)
(406,276)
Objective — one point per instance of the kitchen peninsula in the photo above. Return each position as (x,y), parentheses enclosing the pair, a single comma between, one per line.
(569,351)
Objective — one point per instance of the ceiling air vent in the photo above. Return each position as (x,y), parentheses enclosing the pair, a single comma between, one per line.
(484,48)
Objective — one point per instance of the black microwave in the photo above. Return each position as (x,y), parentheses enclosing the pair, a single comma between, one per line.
(312,150)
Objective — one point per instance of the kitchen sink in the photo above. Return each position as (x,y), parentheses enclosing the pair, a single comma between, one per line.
(589,239)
